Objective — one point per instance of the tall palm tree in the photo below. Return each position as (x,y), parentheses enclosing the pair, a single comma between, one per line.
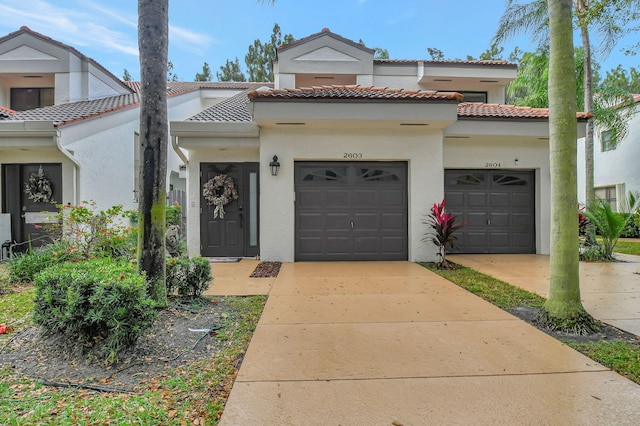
(153,42)
(564,287)
(608,17)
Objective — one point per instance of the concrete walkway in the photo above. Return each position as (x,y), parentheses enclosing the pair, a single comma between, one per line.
(390,343)
(610,291)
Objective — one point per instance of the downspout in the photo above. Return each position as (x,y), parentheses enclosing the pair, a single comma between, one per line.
(178,150)
(76,167)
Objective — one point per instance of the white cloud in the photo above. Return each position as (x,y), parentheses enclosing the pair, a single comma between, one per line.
(193,42)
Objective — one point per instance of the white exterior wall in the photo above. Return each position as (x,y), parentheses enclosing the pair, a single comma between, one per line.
(616,167)
(531,155)
(422,150)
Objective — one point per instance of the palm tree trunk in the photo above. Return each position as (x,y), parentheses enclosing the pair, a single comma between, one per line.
(582,7)
(564,286)
(153,40)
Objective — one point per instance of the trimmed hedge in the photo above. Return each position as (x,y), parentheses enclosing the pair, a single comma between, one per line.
(187,277)
(95,301)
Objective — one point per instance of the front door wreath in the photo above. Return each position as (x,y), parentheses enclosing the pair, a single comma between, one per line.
(38,188)
(219,191)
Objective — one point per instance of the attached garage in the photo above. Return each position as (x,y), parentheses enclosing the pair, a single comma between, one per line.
(351,211)
(498,207)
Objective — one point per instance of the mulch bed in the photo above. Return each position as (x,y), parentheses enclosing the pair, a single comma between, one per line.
(169,344)
(607,332)
(266,270)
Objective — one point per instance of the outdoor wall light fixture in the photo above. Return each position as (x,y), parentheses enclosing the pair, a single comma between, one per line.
(274,165)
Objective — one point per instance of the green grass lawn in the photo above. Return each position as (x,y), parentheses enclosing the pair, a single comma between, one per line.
(194,394)
(622,357)
(627,247)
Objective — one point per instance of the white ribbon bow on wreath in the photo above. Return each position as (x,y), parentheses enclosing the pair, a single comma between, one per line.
(219,191)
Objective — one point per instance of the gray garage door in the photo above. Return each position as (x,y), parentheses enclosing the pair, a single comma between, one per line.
(498,208)
(351,211)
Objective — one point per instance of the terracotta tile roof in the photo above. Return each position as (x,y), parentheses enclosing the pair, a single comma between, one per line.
(27,30)
(184,86)
(76,111)
(502,112)
(354,92)
(6,112)
(324,32)
(444,63)
(232,110)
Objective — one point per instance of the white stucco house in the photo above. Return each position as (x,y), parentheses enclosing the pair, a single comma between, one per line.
(615,167)
(363,148)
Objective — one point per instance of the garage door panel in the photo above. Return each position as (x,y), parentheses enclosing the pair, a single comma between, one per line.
(337,222)
(359,213)
(339,245)
(366,221)
(473,219)
(476,199)
(499,199)
(500,220)
(365,199)
(336,198)
(521,200)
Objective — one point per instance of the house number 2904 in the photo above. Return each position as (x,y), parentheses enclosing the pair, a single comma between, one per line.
(492,165)
(352,155)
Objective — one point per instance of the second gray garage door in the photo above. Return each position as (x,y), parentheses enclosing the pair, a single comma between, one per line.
(498,207)
(351,211)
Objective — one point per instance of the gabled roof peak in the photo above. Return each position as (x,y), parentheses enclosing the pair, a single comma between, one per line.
(323,33)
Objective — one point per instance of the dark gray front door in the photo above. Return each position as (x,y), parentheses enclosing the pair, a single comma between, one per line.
(498,207)
(27,215)
(235,234)
(351,211)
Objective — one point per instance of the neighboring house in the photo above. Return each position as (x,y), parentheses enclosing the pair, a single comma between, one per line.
(63,112)
(364,147)
(615,170)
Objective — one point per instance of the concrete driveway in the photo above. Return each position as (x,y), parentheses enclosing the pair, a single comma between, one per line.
(390,343)
(610,291)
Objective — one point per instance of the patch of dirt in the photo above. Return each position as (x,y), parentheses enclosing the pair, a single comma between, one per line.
(607,332)
(167,345)
(266,270)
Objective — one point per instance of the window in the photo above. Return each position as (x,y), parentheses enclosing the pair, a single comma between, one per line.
(608,193)
(474,96)
(23,98)
(606,140)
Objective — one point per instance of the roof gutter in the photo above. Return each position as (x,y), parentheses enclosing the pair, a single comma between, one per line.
(76,167)
(178,150)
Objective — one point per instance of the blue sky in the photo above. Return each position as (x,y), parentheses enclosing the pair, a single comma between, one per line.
(213,31)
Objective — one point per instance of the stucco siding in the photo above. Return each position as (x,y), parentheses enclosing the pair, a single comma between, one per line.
(422,150)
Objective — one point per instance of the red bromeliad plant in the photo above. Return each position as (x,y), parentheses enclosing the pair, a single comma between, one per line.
(443,226)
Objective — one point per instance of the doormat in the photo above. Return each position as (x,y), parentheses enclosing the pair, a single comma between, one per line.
(224,259)
(266,270)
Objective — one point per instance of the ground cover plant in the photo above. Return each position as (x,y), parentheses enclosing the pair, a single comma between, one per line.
(171,376)
(612,347)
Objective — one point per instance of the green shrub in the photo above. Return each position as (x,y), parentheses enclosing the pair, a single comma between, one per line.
(632,230)
(99,301)
(188,277)
(24,266)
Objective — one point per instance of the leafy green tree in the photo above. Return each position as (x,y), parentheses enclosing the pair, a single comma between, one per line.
(171,76)
(563,303)
(153,43)
(231,72)
(601,15)
(380,53)
(260,56)
(619,77)
(205,75)
(126,76)
(435,54)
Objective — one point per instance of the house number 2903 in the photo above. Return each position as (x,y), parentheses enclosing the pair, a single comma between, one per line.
(492,165)
(352,155)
